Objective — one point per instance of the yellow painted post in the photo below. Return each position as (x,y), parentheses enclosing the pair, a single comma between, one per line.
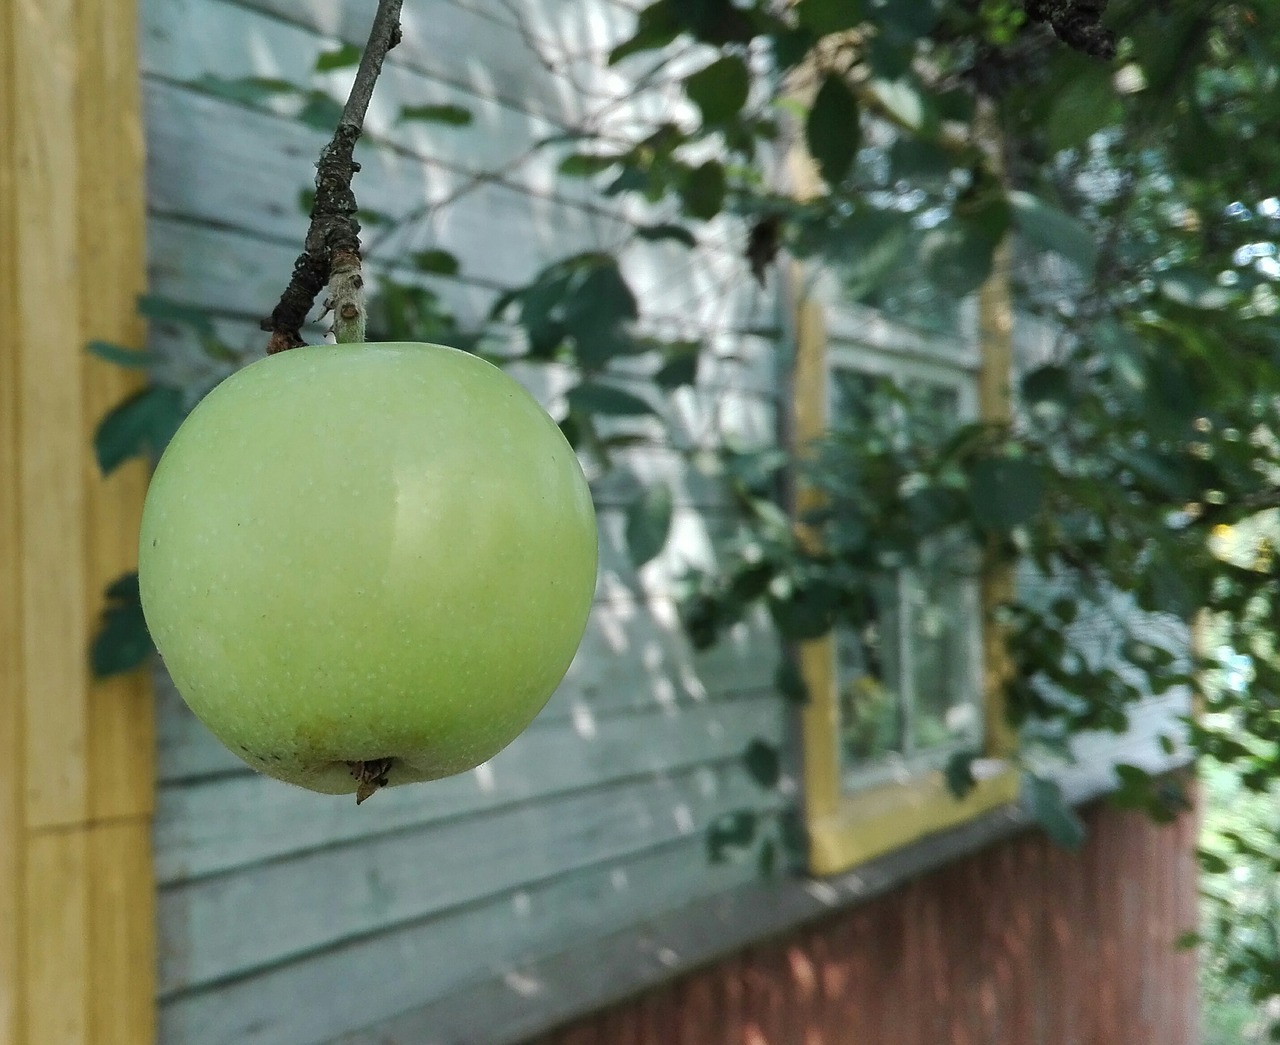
(76,756)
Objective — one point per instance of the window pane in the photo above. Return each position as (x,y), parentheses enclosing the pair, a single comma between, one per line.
(858,400)
(935,408)
(869,683)
(941,611)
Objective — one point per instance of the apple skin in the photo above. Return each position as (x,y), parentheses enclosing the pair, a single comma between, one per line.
(361,552)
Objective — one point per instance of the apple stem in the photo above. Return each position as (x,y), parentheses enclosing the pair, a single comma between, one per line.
(347,299)
(371,775)
(333,238)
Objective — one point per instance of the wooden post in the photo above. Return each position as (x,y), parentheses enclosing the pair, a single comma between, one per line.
(76,756)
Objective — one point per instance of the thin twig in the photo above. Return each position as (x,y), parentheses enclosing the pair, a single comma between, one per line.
(331,250)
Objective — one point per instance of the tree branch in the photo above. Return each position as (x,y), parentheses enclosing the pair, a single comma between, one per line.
(331,250)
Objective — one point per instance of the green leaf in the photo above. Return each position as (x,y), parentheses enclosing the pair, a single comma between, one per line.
(1049,808)
(596,397)
(767,859)
(907,19)
(681,366)
(763,762)
(130,358)
(648,523)
(790,46)
(347,54)
(1048,228)
(584,165)
(957,254)
(656,26)
(163,310)
(1005,492)
(789,682)
(1212,862)
(905,100)
(143,424)
(453,115)
(439,261)
(252,90)
(667,230)
(832,131)
(1086,104)
(122,642)
(320,111)
(719,90)
(823,17)
(703,190)
(602,299)
(871,250)
(807,613)
(1050,383)
(735,830)
(959,773)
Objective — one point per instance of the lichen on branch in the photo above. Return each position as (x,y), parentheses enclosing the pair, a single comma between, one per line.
(331,250)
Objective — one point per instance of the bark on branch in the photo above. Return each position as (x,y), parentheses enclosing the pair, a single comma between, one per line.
(331,250)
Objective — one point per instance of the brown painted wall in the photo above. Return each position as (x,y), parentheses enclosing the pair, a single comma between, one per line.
(1023,944)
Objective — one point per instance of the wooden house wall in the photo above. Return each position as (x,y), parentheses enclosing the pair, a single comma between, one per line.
(1023,944)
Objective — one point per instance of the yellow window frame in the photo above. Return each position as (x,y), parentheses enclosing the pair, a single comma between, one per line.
(849,828)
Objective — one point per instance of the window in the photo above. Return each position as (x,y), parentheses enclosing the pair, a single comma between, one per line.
(892,700)
(908,682)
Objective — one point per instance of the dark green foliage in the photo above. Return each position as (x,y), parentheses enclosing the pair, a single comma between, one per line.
(720,89)
(959,773)
(451,115)
(141,426)
(130,358)
(599,397)
(648,522)
(122,642)
(440,262)
(340,58)
(832,131)
(763,762)
(1047,805)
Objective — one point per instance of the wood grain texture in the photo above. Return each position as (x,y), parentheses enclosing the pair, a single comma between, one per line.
(119,714)
(1024,944)
(12,745)
(75,755)
(51,486)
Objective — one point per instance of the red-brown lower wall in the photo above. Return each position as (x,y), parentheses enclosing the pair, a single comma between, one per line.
(1023,944)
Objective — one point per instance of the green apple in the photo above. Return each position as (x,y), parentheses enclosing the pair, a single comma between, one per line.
(367,564)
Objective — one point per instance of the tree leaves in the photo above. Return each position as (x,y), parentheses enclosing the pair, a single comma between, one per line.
(439,262)
(129,358)
(703,190)
(823,17)
(1048,806)
(341,58)
(720,89)
(122,642)
(763,762)
(648,523)
(599,397)
(1005,492)
(450,115)
(667,231)
(1049,228)
(832,131)
(140,426)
